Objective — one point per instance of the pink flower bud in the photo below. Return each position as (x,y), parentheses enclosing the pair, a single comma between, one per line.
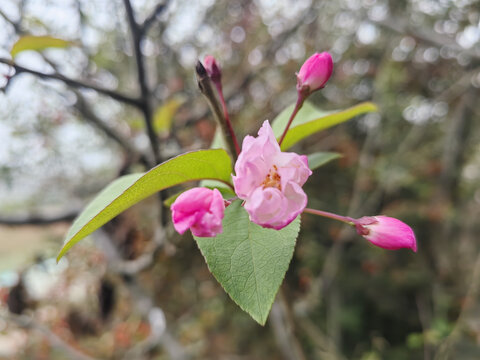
(200,210)
(386,232)
(314,73)
(270,181)
(213,70)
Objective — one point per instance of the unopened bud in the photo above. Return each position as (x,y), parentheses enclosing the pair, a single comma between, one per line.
(213,70)
(386,232)
(314,73)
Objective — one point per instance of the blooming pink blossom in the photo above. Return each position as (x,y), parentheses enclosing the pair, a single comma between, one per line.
(200,210)
(270,181)
(314,73)
(386,232)
(213,70)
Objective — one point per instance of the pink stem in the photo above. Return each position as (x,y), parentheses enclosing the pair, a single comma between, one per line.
(345,219)
(298,106)
(218,85)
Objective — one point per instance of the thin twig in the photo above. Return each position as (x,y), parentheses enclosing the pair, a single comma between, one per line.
(73,83)
(15,24)
(30,323)
(283,329)
(145,98)
(402,26)
(152,18)
(38,219)
(82,106)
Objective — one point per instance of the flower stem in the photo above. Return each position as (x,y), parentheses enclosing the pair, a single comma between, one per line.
(218,85)
(298,106)
(345,219)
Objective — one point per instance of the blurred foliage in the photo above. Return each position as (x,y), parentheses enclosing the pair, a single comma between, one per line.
(417,160)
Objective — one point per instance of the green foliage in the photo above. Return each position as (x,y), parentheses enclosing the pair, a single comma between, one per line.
(37,43)
(311,120)
(249,261)
(162,119)
(321,158)
(129,190)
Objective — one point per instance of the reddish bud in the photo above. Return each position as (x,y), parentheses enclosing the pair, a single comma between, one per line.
(386,232)
(314,73)
(213,70)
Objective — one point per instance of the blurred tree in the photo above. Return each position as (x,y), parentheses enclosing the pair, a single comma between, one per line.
(73,119)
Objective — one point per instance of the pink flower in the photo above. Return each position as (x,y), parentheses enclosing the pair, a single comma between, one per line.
(213,70)
(270,181)
(386,232)
(200,210)
(314,73)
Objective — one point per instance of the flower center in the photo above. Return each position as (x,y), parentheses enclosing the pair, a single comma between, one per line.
(272,179)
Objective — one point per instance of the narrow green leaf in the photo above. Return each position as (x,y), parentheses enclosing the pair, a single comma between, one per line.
(163,116)
(311,120)
(249,261)
(37,43)
(129,190)
(318,159)
(225,190)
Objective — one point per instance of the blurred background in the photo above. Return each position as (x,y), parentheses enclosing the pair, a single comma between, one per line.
(72,119)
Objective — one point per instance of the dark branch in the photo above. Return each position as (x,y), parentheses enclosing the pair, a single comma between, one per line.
(15,24)
(74,83)
(152,18)
(38,220)
(82,106)
(145,105)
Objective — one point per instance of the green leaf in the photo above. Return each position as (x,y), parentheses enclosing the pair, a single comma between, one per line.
(311,120)
(318,159)
(225,190)
(249,261)
(129,190)
(37,43)
(162,119)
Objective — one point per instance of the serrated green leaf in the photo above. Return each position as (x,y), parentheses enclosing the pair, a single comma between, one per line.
(318,159)
(37,43)
(250,261)
(311,120)
(129,190)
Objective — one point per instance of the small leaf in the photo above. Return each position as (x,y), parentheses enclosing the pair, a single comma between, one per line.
(318,159)
(129,190)
(37,43)
(310,120)
(162,119)
(249,261)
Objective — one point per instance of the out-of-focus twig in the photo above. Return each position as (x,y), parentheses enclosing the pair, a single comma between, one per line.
(283,329)
(160,334)
(73,83)
(82,106)
(152,18)
(146,105)
(27,322)
(402,26)
(471,300)
(38,219)
(15,24)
